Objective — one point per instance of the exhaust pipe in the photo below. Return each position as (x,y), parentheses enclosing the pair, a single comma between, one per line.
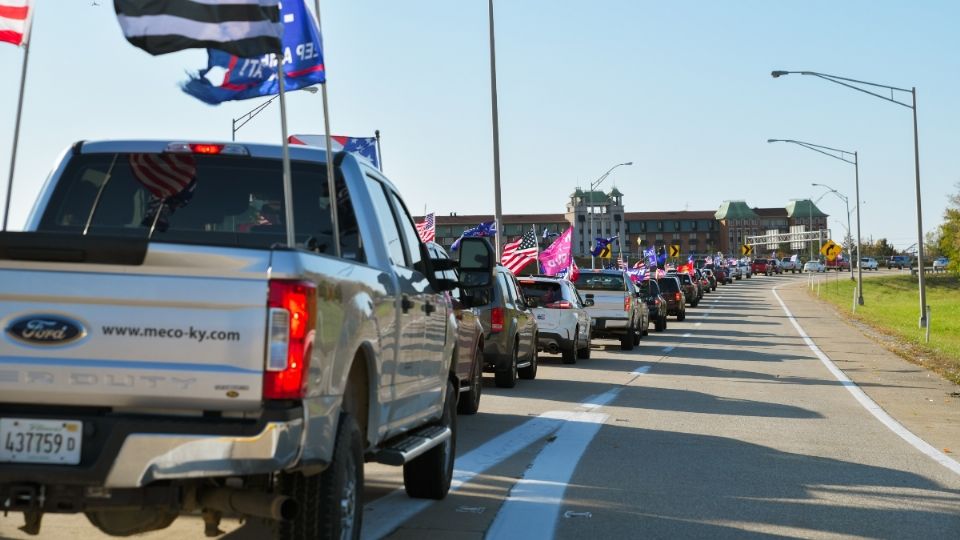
(249,503)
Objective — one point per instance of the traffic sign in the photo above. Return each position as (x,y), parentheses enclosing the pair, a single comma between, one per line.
(606,252)
(746,250)
(675,250)
(830,250)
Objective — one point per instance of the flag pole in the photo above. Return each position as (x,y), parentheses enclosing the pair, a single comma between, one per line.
(16,134)
(331,179)
(287,176)
(380,159)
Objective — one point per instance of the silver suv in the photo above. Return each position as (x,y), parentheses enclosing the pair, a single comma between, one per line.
(562,320)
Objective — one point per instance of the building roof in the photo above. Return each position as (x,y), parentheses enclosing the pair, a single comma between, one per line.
(803,208)
(615,192)
(734,210)
(592,197)
(681,214)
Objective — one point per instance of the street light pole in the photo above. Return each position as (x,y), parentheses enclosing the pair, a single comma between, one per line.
(236,123)
(836,153)
(498,210)
(853,84)
(595,184)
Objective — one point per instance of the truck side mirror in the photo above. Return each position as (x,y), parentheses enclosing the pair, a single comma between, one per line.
(477,260)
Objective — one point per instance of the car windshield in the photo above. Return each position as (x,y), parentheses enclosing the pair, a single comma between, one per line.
(544,292)
(589,281)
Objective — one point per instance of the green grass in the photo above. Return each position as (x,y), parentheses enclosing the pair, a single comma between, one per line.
(892,306)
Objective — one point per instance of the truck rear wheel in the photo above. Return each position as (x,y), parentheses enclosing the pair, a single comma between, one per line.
(626,341)
(331,503)
(569,356)
(429,476)
(507,378)
(469,402)
(530,372)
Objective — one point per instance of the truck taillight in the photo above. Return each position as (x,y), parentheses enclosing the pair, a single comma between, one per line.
(626,303)
(496,319)
(677,295)
(290,328)
(561,304)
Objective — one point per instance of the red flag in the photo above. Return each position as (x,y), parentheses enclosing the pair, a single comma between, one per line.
(15,20)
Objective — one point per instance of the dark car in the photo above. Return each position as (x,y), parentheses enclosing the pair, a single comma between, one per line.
(711,278)
(672,291)
(469,349)
(690,288)
(509,332)
(899,262)
(650,292)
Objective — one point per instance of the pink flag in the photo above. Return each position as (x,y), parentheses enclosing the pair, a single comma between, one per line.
(557,257)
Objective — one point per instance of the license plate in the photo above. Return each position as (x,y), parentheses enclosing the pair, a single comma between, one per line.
(23,440)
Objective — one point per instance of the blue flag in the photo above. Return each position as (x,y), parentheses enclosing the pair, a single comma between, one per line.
(661,256)
(651,255)
(601,245)
(487,228)
(247,78)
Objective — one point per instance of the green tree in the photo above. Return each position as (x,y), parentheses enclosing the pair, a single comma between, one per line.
(948,242)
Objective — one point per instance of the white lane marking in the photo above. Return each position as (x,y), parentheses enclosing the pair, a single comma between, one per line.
(688,334)
(668,349)
(698,324)
(533,507)
(384,515)
(865,400)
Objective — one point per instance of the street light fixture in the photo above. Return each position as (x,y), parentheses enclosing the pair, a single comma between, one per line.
(852,84)
(846,201)
(593,185)
(244,118)
(836,153)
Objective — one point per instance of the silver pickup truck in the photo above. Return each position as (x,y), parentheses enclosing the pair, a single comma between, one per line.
(165,350)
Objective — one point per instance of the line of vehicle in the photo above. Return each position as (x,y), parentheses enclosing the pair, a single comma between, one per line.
(871,406)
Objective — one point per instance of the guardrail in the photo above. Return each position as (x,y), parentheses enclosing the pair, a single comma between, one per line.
(927,270)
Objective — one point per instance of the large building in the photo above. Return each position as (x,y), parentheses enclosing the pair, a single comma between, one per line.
(597,214)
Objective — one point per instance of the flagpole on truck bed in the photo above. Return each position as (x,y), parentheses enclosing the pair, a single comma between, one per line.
(287,180)
(380,159)
(16,134)
(331,179)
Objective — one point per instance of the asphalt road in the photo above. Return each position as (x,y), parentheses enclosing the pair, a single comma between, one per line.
(725,425)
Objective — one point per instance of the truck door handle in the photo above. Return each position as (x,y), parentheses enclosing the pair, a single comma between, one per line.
(429,308)
(405,303)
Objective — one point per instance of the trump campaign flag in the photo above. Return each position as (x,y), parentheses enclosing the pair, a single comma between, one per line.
(246,78)
(427,229)
(361,146)
(557,257)
(487,228)
(15,21)
(246,28)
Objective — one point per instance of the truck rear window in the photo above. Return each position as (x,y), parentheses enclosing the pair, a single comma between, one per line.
(199,199)
(599,282)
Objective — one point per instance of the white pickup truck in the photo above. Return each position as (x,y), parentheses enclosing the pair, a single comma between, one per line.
(166,350)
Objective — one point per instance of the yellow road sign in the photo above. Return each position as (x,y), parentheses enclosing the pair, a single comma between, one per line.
(746,250)
(830,250)
(605,252)
(675,250)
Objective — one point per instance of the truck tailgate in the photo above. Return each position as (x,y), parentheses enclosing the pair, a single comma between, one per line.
(185,330)
(607,304)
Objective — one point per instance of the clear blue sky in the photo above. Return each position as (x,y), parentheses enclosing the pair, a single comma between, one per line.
(680,88)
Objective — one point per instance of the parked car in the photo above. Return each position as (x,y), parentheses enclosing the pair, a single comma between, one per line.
(563,323)
(940,264)
(650,293)
(814,266)
(672,291)
(509,332)
(722,275)
(899,261)
(869,263)
(616,313)
(734,272)
(787,264)
(690,290)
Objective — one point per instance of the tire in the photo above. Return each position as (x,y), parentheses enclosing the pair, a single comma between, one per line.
(682,315)
(569,356)
(469,401)
(429,476)
(584,353)
(331,503)
(530,372)
(694,304)
(626,341)
(508,377)
(664,325)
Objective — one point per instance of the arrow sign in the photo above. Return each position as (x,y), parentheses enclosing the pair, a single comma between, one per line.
(746,250)
(675,250)
(830,250)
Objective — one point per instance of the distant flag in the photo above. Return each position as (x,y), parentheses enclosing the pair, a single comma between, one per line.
(557,258)
(793,258)
(651,255)
(602,248)
(15,18)
(547,235)
(708,260)
(621,264)
(362,146)
(520,252)
(246,78)
(246,28)
(487,228)
(661,256)
(427,229)
(639,264)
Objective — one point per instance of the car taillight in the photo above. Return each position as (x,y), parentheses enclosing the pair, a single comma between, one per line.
(561,304)
(677,295)
(626,303)
(496,319)
(206,148)
(292,316)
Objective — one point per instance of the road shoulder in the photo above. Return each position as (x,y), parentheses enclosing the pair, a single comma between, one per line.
(925,403)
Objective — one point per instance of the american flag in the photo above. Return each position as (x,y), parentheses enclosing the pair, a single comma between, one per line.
(14,21)
(621,264)
(164,175)
(427,228)
(521,251)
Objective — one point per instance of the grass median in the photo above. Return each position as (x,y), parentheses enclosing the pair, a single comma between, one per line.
(891,307)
